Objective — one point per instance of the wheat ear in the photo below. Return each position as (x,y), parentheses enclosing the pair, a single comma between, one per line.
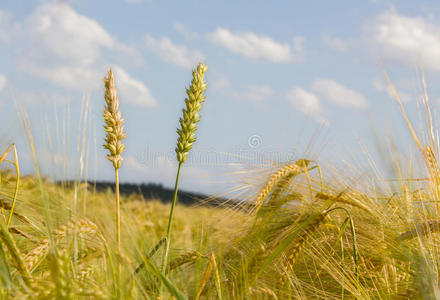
(186,137)
(422,229)
(114,135)
(61,275)
(83,226)
(432,165)
(299,244)
(282,174)
(344,200)
(182,260)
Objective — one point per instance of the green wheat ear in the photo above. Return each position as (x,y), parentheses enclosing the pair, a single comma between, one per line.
(113,122)
(187,137)
(188,123)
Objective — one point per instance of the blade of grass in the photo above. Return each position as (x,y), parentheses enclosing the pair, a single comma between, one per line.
(165,281)
(17,181)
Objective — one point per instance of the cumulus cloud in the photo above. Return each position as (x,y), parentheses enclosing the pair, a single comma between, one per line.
(175,54)
(306,102)
(258,47)
(406,40)
(132,90)
(58,32)
(393,37)
(84,78)
(60,45)
(256,94)
(339,94)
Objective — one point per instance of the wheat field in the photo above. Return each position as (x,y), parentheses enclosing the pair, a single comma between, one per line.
(306,233)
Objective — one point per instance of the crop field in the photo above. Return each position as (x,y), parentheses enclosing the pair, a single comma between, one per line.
(307,233)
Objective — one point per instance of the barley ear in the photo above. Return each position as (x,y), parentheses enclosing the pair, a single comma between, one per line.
(287,171)
(299,244)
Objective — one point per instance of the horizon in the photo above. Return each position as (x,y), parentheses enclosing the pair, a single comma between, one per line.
(282,83)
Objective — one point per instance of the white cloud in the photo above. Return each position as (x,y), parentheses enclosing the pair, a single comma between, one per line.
(187,33)
(57,31)
(172,53)
(258,47)
(132,90)
(67,76)
(406,40)
(63,47)
(307,103)
(3,81)
(339,94)
(257,94)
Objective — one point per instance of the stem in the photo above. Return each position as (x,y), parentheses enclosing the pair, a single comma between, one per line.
(17,169)
(342,263)
(118,217)
(118,235)
(170,221)
(10,244)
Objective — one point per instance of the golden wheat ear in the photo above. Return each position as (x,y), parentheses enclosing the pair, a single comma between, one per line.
(284,173)
(113,122)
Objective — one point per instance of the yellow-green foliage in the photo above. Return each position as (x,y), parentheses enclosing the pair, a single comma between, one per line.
(310,238)
(280,252)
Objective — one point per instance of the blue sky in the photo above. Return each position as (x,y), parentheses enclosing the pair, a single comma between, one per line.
(286,79)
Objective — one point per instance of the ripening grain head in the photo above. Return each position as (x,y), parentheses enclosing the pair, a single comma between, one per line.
(113,122)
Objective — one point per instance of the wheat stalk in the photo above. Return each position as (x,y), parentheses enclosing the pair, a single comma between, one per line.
(15,253)
(114,135)
(186,137)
